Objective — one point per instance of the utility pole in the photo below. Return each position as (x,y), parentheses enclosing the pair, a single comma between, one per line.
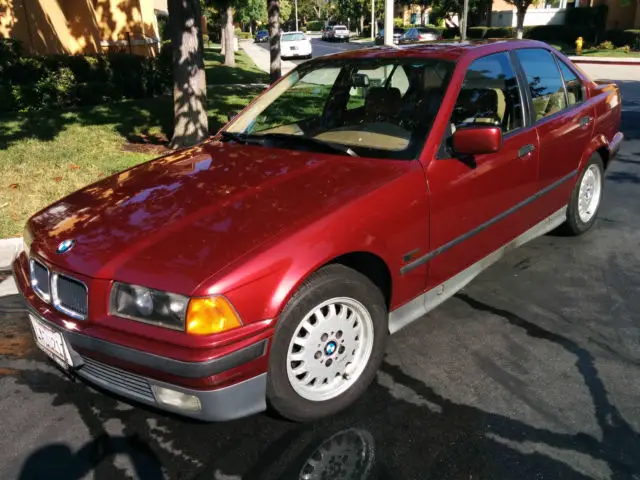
(388,22)
(463,23)
(373,19)
(296,8)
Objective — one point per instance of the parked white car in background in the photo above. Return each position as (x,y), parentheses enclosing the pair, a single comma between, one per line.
(338,33)
(295,44)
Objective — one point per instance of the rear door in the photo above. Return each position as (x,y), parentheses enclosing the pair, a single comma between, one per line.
(477,205)
(563,120)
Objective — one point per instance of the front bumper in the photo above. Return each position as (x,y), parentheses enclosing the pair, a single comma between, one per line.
(89,358)
(236,401)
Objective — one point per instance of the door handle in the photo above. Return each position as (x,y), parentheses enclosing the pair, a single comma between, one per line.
(527,149)
(584,121)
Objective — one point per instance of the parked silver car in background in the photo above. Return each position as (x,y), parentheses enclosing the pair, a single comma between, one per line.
(338,33)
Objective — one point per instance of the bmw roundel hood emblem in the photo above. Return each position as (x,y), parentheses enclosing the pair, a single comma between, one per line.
(65,246)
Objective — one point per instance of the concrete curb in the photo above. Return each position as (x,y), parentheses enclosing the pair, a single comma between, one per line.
(9,250)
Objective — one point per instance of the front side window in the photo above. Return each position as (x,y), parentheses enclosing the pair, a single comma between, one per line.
(545,83)
(380,108)
(575,89)
(489,95)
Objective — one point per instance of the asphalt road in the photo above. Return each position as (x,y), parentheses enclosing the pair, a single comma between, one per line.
(320,47)
(532,372)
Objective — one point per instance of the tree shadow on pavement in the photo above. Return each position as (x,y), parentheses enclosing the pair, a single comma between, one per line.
(58,461)
(422,435)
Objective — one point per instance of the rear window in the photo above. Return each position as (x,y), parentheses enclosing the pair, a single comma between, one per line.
(339,27)
(292,37)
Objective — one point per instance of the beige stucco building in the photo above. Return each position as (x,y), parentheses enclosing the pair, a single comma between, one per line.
(81,26)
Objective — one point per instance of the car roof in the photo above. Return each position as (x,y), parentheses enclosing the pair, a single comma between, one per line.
(291,33)
(443,49)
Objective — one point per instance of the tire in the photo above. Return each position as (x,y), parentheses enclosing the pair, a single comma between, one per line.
(360,345)
(578,223)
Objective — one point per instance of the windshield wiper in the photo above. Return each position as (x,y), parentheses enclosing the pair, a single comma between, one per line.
(241,138)
(338,147)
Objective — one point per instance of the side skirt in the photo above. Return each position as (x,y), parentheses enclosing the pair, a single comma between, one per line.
(422,304)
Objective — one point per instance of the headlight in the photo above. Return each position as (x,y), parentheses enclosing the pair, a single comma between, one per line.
(197,316)
(148,305)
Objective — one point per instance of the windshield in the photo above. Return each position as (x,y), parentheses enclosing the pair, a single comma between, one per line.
(380,108)
(291,37)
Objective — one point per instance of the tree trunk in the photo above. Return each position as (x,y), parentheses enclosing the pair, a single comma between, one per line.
(422,10)
(520,21)
(361,24)
(223,33)
(229,53)
(189,82)
(273,10)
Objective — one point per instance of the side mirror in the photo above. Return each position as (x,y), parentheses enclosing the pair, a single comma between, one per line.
(477,140)
(231,116)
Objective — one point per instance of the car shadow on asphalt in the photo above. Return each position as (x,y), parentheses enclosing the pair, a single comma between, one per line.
(382,436)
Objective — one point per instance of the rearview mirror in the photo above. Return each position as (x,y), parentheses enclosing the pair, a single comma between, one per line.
(477,140)
(360,80)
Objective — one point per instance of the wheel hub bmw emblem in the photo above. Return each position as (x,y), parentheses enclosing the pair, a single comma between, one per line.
(65,246)
(330,348)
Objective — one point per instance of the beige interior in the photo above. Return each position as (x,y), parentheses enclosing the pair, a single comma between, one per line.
(384,136)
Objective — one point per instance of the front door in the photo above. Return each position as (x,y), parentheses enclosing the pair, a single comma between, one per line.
(479,205)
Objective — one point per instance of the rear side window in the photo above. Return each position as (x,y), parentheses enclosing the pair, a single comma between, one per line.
(490,95)
(575,89)
(545,83)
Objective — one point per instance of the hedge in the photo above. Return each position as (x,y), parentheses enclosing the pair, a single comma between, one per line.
(588,16)
(315,25)
(545,33)
(620,38)
(60,81)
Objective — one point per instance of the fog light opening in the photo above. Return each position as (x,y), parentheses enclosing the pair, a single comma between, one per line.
(173,398)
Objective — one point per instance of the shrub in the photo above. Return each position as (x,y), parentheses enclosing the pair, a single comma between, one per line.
(56,89)
(315,25)
(595,17)
(501,32)
(623,37)
(59,81)
(606,45)
(477,32)
(626,49)
(398,22)
(560,33)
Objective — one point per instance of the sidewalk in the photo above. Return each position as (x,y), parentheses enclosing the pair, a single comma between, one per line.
(262,59)
(633,61)
(9,249)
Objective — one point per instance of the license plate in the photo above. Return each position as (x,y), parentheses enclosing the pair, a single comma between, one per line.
(294,48)
(51,342)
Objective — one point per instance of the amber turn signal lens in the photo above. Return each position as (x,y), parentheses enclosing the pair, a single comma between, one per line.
(206,316)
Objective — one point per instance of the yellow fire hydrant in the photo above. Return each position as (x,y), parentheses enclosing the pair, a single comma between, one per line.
(579,43)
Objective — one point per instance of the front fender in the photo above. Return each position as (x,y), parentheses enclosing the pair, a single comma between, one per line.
(388,223)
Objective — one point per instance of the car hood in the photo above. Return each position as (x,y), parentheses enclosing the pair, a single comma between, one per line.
(178,219)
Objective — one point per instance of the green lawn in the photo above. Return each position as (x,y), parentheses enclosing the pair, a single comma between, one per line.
(45,155)
(596,52)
